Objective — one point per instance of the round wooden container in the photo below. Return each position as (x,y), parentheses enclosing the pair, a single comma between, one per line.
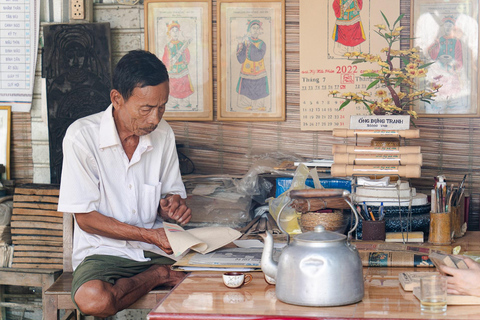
(440,228)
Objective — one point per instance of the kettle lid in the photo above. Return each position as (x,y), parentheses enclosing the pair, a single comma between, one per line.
(320,234)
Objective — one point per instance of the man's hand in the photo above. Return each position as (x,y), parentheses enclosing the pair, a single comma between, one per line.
(463,281)
(159,238)
(174,208)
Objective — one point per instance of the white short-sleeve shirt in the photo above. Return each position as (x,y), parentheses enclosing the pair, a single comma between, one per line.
(97,175)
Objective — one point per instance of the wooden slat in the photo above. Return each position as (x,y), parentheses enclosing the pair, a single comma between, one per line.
(37,265)
(37,260)
(34,205)
(35,199)
(36,225)
(36,212)
(29,239)
(36,232)
(19,248)
(37,254)
(38,190)
(17,217)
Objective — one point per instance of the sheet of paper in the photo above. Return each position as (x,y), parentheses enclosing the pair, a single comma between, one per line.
(202,240)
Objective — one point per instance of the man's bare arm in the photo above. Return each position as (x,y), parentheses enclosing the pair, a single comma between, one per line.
(96,223)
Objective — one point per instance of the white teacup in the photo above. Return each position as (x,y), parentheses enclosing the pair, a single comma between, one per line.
(236,279)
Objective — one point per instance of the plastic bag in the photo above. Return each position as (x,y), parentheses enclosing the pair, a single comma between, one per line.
(289,218)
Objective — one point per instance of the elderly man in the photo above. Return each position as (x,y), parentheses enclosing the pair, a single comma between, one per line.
(121,179)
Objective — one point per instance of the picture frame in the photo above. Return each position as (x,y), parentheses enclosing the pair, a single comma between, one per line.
(446,32)
(180,34)
(5,129)
(251,60)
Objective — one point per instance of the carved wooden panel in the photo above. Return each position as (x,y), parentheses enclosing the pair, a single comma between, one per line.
(76,65)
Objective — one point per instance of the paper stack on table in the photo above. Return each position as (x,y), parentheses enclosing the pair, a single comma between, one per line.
(202,240)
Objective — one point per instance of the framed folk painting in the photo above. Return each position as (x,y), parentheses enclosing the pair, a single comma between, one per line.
(251,60)
(180,34)
(446,32)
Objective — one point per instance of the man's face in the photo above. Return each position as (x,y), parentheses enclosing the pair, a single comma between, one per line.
(255,30)
(141,113)
(174,33)
(448,27)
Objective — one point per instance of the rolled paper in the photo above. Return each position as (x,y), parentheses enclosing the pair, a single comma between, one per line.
(345,133)
(378,159)
(342,148)
(408,171)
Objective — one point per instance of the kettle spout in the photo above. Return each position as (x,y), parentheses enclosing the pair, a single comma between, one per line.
(269,266)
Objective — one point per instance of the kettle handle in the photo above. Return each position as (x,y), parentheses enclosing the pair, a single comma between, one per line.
(346,197)
(280,223)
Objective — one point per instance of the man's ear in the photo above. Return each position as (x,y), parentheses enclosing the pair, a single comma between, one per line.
(116,98)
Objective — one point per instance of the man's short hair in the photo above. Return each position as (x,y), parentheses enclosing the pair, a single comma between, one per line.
(138,68)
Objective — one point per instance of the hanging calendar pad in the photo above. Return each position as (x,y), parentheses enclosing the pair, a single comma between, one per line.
(323,66)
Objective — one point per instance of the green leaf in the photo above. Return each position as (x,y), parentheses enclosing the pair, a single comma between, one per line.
(371,85)
(426,65)
(368,107)
(398,82)
(405,60)
(359,61)
(400,17)
(369,74)
(386,20)
(344,104)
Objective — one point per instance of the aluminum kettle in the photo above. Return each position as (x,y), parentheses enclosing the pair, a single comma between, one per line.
(319,268)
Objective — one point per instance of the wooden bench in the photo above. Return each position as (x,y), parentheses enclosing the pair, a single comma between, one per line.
(58,296)
(42,278)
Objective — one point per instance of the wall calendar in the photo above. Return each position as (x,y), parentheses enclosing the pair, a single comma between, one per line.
(328,30)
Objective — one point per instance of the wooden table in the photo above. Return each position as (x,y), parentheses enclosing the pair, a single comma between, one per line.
(202,295)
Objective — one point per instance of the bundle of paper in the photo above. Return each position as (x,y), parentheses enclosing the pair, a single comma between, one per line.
(447,260)
(232,259)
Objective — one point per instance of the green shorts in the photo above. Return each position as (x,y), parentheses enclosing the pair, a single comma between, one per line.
(110,268)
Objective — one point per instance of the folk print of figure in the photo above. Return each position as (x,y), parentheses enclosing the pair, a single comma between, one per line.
(176,58)
(348,32)
(252,85)
(447,51)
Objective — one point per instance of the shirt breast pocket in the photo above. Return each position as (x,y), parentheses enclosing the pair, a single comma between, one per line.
(149,202)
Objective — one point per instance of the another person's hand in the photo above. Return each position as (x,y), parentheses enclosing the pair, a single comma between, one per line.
(175,208)
(463,281)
